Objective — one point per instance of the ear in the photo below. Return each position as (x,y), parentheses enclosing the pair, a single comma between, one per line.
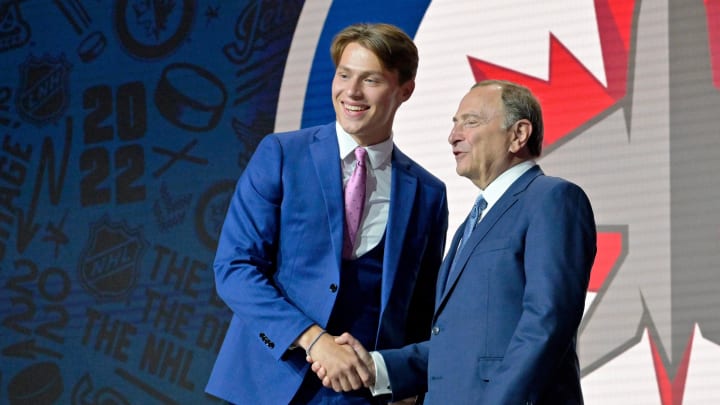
(520,135)
(406,90)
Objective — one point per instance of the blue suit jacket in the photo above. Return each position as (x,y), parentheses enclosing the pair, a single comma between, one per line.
(505,324)
(278,260)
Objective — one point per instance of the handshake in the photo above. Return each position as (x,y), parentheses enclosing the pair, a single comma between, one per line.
(341,362)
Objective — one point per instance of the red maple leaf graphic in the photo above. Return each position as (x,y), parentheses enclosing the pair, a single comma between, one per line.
(572,96)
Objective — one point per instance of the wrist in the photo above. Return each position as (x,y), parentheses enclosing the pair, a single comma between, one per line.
(309,348)
(306,338)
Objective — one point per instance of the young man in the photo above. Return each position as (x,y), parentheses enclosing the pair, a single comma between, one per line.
(297,267)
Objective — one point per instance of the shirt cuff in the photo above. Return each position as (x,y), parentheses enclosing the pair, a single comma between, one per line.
(382,380)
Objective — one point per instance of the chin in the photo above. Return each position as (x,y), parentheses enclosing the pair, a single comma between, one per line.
(350,127)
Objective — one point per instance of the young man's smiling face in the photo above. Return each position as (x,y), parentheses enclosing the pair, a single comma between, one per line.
(366,95)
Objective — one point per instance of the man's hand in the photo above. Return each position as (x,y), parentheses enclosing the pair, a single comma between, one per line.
(341,367)
(346,340)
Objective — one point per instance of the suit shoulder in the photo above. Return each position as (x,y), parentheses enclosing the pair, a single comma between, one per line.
(418,170)
(303,135)
(558,189)
(274,147)
(427,178)
(553,182)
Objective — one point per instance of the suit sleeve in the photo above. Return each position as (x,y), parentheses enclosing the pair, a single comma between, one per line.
(407,366)
(560,247)
(245,261)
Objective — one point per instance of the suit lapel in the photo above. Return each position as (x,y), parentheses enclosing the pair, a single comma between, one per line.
(446,264)
(403,187)
(496,212)
(326,157)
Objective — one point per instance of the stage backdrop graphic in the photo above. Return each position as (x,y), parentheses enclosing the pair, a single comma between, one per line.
(125,124)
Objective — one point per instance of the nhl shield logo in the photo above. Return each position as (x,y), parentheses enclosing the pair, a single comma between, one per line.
(44,93)
(110,262)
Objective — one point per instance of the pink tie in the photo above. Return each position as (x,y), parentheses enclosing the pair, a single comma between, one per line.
(354,202)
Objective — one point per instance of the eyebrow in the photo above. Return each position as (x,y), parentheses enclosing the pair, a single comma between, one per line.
(361,72)
(463,117)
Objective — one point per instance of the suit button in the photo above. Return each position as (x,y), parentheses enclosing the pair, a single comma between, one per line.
(435,330)
(269,343)
(333,287)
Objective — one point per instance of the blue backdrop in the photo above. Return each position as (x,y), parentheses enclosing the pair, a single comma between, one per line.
(123,128)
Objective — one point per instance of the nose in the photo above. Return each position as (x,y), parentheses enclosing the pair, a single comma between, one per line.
(353,88)
(455,134)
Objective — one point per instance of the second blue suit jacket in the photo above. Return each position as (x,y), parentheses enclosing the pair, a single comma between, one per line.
(505,321)
(278,260)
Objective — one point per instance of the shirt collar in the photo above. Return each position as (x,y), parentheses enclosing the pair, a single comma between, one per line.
(378,154)
(499,186)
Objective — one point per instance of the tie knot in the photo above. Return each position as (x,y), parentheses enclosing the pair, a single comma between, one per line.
(479,206)
(360,154)
(474,217)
